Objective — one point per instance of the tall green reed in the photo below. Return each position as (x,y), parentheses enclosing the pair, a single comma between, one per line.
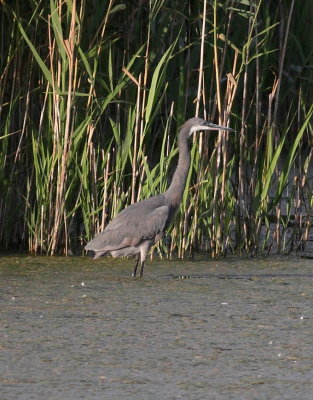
(92,126)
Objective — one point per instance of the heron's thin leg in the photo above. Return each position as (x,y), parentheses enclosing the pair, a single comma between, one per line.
(136,265)
(142,267)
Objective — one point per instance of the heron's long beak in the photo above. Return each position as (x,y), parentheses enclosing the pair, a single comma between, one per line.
(209,126)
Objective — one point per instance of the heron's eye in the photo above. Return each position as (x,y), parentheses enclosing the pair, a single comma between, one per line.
(198,128)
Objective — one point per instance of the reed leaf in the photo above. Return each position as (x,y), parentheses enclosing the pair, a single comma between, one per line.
(92,97)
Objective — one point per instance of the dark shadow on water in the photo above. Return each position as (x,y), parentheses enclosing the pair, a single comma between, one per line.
(245,276)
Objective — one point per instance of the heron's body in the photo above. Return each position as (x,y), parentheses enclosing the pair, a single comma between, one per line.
(127,234)
(139,226)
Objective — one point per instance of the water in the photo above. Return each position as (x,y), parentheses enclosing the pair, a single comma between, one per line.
(73,328)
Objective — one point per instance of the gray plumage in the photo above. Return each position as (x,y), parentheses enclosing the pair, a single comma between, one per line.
(139,226)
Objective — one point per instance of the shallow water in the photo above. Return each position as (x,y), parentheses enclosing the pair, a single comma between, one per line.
(73,328)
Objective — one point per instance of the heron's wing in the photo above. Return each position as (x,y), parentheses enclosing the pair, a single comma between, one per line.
(130,227)
(156,222)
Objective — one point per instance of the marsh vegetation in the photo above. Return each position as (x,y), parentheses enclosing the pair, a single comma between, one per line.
(93,93)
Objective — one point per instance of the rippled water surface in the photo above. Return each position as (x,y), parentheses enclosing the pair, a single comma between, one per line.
(73,328)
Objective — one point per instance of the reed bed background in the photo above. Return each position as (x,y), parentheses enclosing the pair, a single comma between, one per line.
(92,94)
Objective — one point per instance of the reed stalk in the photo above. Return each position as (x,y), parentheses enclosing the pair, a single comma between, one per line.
(92,126)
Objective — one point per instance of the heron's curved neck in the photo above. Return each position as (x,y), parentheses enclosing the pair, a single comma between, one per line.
(176,189)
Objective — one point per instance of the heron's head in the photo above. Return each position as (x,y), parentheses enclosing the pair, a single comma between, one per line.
(199,124)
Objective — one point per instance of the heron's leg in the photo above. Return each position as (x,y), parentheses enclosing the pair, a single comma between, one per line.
(136,265)
(144,248)
(142,267)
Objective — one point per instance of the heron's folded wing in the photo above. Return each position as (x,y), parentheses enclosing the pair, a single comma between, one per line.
(155,222)
(129,229)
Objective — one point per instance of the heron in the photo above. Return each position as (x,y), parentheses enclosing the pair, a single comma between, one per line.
(141,225)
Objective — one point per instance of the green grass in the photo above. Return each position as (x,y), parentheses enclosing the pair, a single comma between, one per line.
(92,97)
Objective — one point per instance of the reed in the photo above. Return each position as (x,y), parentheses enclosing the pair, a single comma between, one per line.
(93,93)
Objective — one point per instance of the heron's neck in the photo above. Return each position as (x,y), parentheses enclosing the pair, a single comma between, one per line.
(176,189)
